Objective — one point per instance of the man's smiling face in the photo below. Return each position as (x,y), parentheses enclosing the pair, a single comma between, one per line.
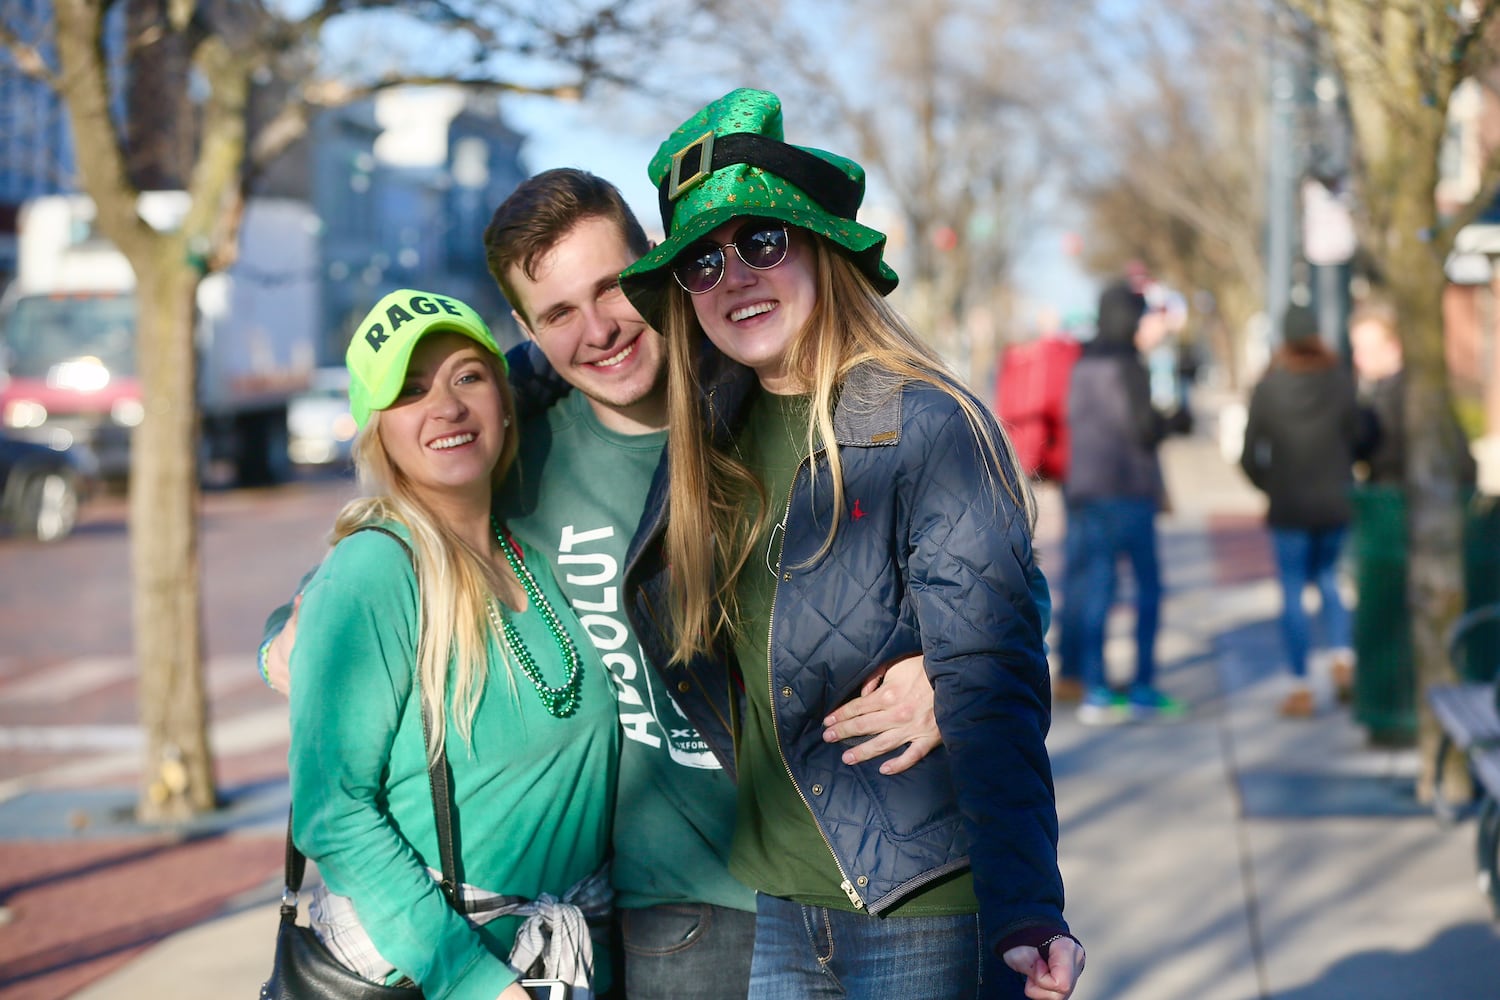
(575,311)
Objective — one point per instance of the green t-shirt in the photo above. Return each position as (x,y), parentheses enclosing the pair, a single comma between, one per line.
(361,801)
(578,492)
(778,847)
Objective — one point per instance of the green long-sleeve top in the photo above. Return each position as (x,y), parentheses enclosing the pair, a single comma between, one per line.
(531,794)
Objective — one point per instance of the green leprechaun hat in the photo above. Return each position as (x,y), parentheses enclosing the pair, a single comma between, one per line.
(729,161)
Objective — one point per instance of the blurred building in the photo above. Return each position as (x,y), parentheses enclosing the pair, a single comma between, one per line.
(404,183)
(36,146)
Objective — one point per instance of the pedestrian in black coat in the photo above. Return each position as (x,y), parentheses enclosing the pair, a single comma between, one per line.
(1299,451)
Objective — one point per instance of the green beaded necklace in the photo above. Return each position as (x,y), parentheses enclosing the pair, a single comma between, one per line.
(561,701)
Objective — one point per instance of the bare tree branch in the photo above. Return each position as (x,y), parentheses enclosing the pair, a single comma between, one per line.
(215,188)
(1464,55)
(84,85)
(1486,193)
(1166,154)
(27,57)
(937,112)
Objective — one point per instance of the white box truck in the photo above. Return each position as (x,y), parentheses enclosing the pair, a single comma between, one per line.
(68,328)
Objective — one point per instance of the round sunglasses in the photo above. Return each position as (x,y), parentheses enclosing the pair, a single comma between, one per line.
(760,244)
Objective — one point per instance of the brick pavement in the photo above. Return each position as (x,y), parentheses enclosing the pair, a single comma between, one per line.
(83,889)
(77,910)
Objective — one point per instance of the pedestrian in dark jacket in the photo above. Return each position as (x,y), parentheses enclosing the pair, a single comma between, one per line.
(1375,346)
(1299,451)
(843,502)
(1378,360)
(1113,493)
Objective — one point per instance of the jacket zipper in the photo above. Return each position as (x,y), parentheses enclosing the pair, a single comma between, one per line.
(907,888)
(846,885)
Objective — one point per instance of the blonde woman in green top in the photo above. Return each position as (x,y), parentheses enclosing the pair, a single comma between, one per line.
(442,606)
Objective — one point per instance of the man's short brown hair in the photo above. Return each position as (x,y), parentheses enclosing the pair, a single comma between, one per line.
(1376,309)
(544,209)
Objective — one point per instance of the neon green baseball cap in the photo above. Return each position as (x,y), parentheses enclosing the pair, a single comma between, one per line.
(380,350)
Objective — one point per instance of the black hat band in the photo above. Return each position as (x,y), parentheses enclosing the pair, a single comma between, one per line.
(835,191)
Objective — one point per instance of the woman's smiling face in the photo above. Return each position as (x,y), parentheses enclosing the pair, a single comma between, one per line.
(753,315)
(445,429)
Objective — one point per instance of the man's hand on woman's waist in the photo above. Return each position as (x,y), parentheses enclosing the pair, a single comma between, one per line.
(894,707)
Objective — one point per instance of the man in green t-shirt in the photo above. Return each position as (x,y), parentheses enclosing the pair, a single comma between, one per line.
(556,247)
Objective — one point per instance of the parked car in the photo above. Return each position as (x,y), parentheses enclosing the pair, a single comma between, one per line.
(40,489)
(320,430)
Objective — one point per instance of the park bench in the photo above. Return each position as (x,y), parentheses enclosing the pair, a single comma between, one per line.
(1471,724)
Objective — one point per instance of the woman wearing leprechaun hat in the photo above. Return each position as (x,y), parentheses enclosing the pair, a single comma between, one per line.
(837,501)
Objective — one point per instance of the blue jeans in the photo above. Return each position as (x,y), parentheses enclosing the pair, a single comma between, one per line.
(1069,661)
(687,950)
(813,953)
(1306,556)
(1106,530)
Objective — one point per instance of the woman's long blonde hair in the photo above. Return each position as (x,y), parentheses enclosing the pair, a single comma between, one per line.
(709,538)
(456,583)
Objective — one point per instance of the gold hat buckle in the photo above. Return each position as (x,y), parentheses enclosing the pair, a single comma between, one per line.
(701,149)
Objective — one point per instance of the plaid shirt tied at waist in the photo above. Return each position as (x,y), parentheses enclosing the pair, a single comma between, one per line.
(554,931)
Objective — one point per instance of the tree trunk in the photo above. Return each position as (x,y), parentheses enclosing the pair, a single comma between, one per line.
(177,780)
(1237,303)
(1435,487)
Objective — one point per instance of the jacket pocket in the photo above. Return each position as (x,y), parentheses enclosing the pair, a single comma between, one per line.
(915,803)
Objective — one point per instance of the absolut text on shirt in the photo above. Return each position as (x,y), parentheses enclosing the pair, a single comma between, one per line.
(648,713)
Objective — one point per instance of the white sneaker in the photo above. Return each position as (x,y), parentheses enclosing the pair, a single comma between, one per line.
(1113,713)
(1320,681)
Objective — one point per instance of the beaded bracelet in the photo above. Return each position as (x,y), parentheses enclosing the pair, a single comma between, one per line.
(1047,944)
(260,662)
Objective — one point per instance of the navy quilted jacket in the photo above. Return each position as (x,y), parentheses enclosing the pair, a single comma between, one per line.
(932,557)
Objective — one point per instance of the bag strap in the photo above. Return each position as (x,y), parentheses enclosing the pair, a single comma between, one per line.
(296,866)
(442,804)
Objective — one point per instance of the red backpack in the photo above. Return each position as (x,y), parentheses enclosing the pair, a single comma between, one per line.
(1031,401)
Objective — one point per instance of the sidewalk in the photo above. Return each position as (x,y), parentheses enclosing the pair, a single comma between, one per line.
(1238,855)
(1231,856)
